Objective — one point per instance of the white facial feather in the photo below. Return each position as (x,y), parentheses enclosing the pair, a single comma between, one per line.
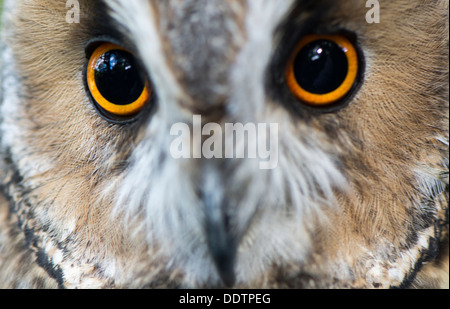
(155,181)
(249,71)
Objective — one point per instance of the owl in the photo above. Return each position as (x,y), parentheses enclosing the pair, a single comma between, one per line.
(93,196)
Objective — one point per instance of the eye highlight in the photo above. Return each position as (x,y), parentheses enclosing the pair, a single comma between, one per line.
(115,81)
(323,69)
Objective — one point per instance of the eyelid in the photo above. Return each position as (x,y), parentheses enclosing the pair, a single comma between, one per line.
(94,43)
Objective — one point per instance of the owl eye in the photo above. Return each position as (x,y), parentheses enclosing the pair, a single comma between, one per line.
(323,69)
(115,81)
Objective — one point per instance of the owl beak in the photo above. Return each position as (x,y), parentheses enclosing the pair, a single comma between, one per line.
(221,243)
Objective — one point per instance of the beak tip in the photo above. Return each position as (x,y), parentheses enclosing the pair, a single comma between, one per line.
(223,251)
(229,279)
(225,267)
(221,240)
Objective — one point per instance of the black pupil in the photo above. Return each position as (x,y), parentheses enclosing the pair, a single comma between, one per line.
(117,77)
(321,67)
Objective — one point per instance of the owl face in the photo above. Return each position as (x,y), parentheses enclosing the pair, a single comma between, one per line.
(359,194)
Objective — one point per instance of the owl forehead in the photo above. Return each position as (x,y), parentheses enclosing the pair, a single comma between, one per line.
(203,38)
(201,41)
